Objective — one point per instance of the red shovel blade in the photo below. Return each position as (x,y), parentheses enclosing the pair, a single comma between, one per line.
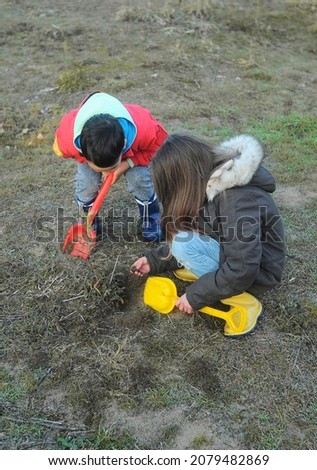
(78,242)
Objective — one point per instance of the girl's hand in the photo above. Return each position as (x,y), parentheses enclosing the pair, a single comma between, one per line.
(183,305)
(140,267)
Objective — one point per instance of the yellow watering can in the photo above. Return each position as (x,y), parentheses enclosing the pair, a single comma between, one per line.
(160,293)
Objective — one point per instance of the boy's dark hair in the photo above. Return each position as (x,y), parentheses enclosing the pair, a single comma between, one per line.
(102,140)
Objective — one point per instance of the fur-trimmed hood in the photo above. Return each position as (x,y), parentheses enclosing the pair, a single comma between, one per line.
(247,155)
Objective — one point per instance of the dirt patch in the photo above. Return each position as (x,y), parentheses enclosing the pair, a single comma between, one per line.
(295,197)
(86,363)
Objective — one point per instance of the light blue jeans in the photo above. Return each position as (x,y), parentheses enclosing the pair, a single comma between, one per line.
(138,180)
(196,252)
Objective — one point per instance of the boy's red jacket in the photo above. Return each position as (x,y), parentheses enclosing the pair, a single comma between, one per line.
(149,137)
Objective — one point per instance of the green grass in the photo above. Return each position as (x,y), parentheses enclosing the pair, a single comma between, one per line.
(22,434)
(256,74)
(11,390)
(292,140)
(75,79)
(201,442)
(169,395)
(101,439)
(161,397)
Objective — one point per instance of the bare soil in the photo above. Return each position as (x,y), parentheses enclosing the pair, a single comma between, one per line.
(86,364)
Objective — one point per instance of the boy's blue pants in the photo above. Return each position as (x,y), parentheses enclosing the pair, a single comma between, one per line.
(138,180)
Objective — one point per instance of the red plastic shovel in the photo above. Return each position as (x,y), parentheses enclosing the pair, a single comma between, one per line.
(81,238)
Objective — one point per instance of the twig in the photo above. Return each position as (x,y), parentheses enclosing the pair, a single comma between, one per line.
(44,422)
(114,268)
(67,316)
(45,375)
(74,298)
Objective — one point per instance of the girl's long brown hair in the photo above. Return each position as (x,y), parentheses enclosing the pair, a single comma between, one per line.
(181,169)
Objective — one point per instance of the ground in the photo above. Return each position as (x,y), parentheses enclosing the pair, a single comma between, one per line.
(86,364)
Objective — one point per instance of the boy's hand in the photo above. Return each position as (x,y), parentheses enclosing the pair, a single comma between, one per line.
(140,267)
(120,170)
(183,305)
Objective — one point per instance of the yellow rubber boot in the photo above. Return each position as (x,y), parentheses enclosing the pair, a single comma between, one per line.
(185,275)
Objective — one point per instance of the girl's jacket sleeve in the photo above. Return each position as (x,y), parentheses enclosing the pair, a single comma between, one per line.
(159,260)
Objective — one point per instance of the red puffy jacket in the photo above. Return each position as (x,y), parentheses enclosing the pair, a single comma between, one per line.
(150,136)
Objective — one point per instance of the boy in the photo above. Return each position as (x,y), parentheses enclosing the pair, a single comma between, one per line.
(105,135)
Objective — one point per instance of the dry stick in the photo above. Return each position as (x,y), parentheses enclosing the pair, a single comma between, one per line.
(67,316)
(74,298)
(114,268)
(44,422)
(45,375)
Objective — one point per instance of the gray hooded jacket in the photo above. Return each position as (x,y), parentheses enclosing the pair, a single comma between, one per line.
(240,213)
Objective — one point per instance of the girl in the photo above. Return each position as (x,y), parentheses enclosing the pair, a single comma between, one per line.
(219,219)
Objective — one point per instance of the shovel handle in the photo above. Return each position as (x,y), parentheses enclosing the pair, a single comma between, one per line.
(103,191)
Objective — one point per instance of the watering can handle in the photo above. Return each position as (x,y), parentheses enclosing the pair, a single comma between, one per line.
(100,197)
(228,316)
